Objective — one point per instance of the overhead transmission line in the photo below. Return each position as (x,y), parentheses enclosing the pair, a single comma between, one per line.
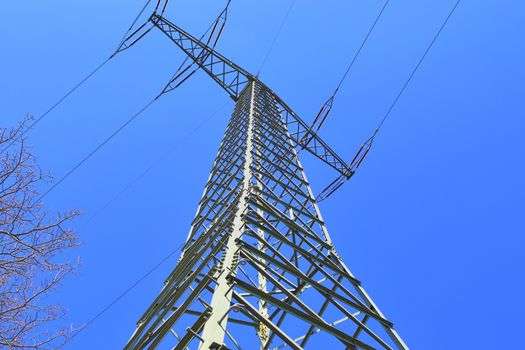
(213,37)
(151,166)
(60,100)
(276,37)
(327,106)
(367,145)
(124,293)
(79,84)
(387,114)
(96,149)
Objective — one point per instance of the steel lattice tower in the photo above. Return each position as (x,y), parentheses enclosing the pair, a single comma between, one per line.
(259,269)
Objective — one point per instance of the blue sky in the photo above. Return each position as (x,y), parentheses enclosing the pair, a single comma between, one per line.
(433,221)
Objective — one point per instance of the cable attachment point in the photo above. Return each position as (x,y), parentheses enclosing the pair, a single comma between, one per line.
(331,188)
(363,152)
(210,38)
(131,39)
(354,164)
(319,120)
(161,4)
(128,39)
(323,113)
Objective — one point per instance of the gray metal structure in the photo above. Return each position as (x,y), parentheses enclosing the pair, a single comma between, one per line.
(259,269)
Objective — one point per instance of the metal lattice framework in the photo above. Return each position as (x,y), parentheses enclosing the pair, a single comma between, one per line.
(259,269)
(233,79)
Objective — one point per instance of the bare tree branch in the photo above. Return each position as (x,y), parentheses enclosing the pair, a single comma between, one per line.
(31,244)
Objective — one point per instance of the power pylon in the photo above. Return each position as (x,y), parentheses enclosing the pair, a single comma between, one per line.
(259,269)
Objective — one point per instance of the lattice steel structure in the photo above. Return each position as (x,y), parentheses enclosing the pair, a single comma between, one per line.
(259,269)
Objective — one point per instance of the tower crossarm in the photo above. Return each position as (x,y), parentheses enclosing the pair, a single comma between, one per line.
(226,73)
(234,78)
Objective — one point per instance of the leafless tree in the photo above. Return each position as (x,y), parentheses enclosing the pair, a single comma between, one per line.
(31,245)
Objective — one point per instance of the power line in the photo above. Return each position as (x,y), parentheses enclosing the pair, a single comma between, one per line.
(366,146)
(417,66)
(123,294)
(276,37)
(86,78)
(153,165)
(362,45)
(79,84)
(136,114)
(96,149)
(326,108)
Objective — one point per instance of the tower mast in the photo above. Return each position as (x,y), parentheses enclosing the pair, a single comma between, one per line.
(259,269)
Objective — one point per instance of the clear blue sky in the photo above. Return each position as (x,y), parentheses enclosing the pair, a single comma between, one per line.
(432,223)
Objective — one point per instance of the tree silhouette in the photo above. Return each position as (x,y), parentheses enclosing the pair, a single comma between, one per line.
(31,245)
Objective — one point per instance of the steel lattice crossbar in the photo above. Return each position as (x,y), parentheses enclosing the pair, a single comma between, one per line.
(259,269)
(232,78)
